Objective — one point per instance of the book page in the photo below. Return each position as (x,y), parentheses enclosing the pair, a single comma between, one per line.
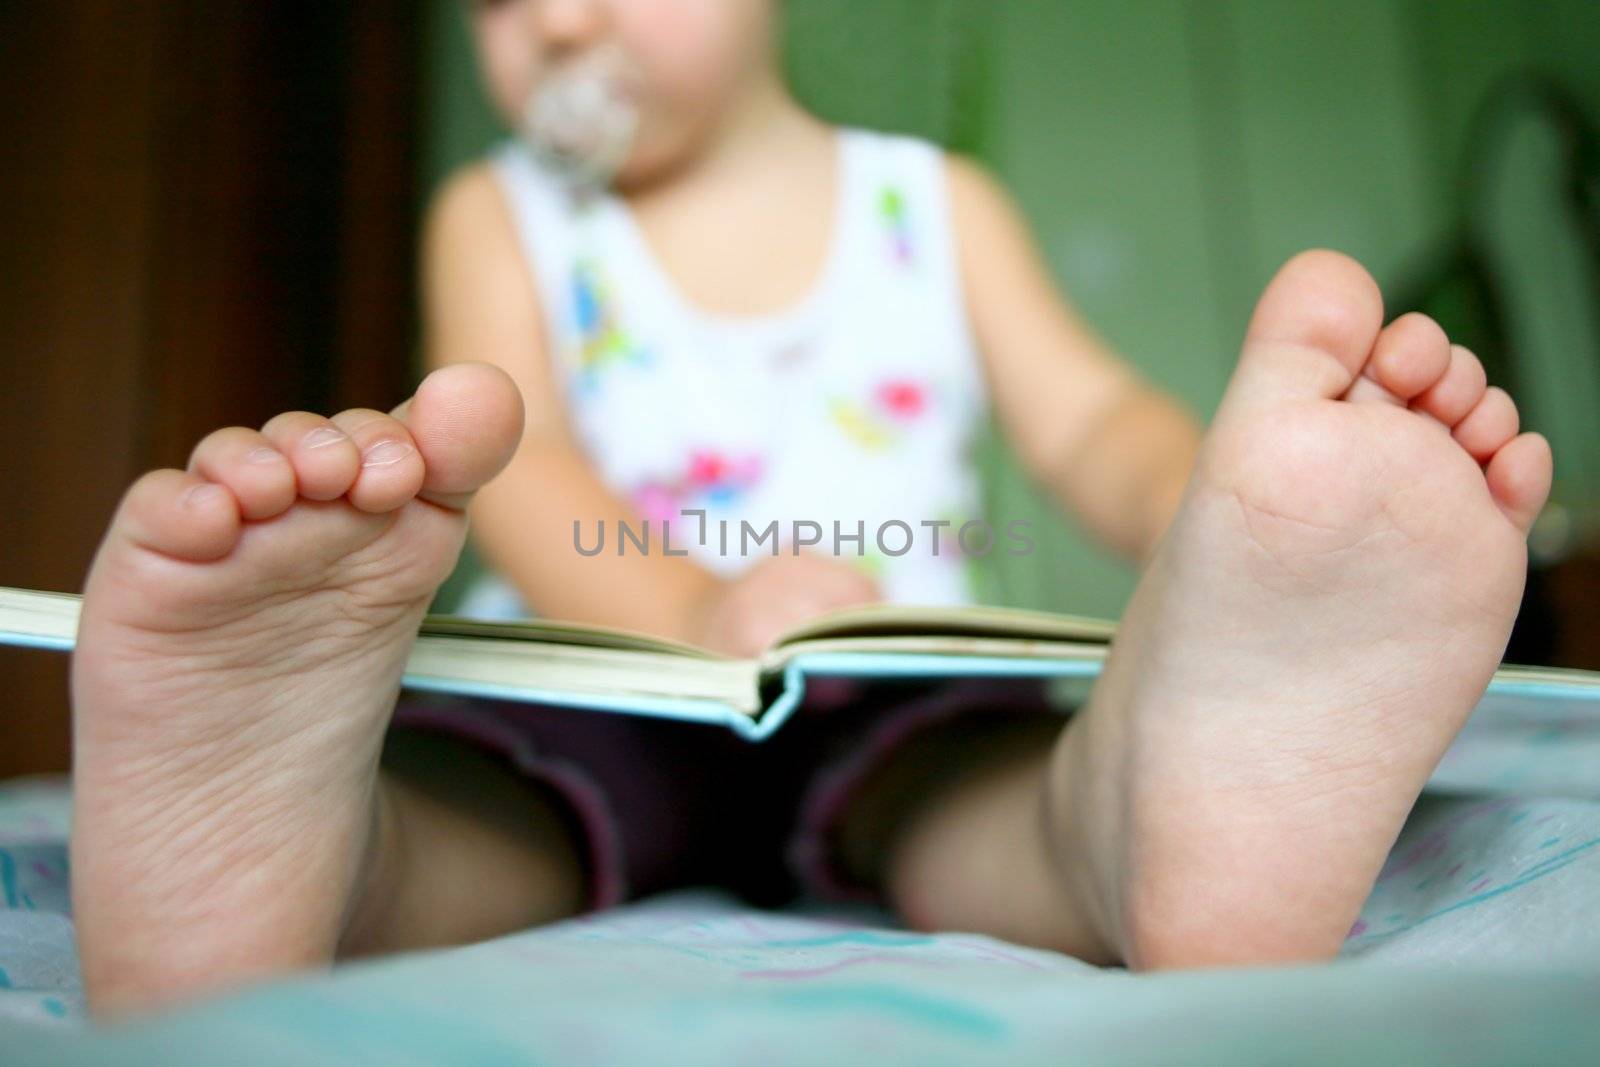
(41,620)
(52,618)
(884,620)
(557,632)
(535,669)
(29,616)
(938,646)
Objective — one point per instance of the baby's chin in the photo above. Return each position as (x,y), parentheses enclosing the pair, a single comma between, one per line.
(637,174)
(654,159)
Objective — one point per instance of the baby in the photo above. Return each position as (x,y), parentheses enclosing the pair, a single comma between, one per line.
(692,296)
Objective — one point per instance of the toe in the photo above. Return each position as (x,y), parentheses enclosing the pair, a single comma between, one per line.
(324,458)
(179,514)
(258,475)
(1457,392)
(1412,353)
(1519,478)
(391,467)
(1312,330)
(1489,425)
(466,420)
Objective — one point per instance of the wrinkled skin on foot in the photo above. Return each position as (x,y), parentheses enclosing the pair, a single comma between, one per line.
(244,629)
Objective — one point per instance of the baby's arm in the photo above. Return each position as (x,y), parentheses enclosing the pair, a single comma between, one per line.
(479,303)
(1111,449)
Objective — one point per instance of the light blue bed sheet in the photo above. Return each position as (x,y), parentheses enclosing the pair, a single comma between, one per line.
(1480,944)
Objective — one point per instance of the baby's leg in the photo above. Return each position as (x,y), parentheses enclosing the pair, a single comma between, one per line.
(1326,610)
(950,829)
(245,626)
(466,848)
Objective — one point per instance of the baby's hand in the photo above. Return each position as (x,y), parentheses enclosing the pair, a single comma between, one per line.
(743,616)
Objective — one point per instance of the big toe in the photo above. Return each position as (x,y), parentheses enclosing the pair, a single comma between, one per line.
(1311,333)
(466,421)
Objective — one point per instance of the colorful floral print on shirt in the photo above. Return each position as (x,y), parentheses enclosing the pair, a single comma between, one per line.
(892,210)
(878,422)
(710,480)
(602,341)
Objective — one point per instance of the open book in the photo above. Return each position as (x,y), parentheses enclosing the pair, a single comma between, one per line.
(573,665)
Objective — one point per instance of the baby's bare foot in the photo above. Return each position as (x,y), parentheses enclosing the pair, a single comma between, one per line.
(1326,610)
(244,629)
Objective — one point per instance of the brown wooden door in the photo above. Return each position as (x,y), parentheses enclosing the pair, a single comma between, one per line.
(206,217)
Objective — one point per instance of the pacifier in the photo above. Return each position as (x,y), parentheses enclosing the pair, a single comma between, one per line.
(581,117)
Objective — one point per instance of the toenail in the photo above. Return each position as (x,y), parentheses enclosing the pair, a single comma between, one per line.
(386,454)
(323,436)
(262,455)
(200,496)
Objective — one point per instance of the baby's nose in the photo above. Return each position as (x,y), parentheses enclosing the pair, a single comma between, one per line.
(568,25)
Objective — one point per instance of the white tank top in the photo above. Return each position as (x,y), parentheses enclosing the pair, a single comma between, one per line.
(851,412)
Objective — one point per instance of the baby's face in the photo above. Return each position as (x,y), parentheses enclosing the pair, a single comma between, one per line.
(684,61)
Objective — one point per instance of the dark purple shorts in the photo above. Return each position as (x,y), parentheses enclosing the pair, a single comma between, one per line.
(664,804)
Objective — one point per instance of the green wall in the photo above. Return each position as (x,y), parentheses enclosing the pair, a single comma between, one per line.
(1171,153)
